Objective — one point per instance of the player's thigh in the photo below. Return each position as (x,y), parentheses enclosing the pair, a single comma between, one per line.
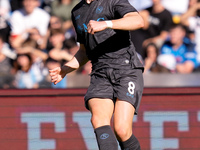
(123,118)
(102,111)
(123,114)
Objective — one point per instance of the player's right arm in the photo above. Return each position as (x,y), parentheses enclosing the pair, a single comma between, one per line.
(80,58)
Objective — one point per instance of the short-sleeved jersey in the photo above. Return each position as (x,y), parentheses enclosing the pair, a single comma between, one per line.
(111,48)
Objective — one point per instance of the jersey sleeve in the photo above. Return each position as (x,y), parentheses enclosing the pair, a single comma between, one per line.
(123,7)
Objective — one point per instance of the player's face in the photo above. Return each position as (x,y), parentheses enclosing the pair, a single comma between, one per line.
(30,5)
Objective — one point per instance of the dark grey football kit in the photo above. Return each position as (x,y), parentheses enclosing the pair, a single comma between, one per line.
(116,69)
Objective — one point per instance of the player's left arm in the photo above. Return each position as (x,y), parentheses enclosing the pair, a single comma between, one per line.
(130,21)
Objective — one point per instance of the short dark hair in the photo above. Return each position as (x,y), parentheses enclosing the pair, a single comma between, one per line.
(179,25)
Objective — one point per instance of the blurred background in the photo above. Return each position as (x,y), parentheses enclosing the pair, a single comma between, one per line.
(38,35)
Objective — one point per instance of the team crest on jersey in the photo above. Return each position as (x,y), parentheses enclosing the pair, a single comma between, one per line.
(99,9)
(77,17)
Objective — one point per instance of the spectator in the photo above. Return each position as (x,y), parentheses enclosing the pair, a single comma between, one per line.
(62,49)
(4,17)
(54,23)
(6,75)
(35,35)
(35,66)
(151,55)
(59,51)
(30,46)
(180,49)
(28,75)
(62,9)
(157,23)
(192,19)
(23,20)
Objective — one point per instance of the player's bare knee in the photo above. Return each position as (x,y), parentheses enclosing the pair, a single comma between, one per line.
(98,121)
(122,132)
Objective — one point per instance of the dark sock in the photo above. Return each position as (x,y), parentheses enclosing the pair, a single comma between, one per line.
(105,138)
(131,144)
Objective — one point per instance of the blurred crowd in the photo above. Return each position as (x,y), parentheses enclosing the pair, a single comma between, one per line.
(170,40)
(35,36)
(38,35)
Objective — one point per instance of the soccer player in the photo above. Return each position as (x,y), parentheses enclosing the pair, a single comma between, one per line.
(116,86)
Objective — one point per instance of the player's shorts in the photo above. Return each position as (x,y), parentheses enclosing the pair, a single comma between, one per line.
(125,85)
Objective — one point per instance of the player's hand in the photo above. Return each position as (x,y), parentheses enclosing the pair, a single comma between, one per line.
(96,26)
(56,75)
